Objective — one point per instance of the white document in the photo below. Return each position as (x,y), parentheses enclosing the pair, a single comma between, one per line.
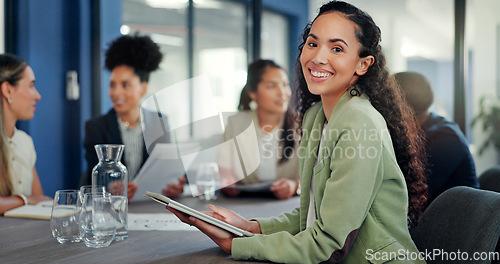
(162,167)
(162,222)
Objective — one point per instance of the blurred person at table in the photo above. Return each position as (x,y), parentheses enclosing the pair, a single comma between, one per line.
(19,181)
(449,161)
(361,172)
(130,59)
(264,100)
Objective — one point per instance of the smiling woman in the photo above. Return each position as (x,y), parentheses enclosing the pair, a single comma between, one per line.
(330,59)
(352,206)
(19,182)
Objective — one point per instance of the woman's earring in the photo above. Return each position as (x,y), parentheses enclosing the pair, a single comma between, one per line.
(9,100)
(252,105)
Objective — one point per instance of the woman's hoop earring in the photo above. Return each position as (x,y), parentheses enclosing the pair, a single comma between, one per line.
(253,105)
(354,92)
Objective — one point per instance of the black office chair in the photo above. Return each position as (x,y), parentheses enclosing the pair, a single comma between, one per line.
(461,218)
(490,179)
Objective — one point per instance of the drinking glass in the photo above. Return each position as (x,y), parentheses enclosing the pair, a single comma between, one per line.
(88,189)
(207,178)
(119,204)
(97,220)
(121,209)
(64,220)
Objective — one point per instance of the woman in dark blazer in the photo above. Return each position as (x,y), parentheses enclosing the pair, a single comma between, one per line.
(103,129)
(130,59)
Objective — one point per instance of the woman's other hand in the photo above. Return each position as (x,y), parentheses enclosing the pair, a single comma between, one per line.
(131,189)
(284,188)
(230,191)
(175,190)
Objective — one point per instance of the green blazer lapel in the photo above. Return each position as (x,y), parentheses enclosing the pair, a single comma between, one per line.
(311,133)
(331,134)
(340,103)
(312,127)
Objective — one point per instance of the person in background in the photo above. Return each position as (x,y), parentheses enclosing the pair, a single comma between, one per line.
(449,161)
(360,155)
(268,88)
(130,59)
(19,181)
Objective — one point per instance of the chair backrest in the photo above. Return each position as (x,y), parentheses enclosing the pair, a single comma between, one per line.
(490,179)
(461,218)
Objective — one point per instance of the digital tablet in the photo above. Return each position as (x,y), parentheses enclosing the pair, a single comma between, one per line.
(192,212)
(253,187)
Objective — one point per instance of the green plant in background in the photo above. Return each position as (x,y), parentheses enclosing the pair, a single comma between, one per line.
(489,117)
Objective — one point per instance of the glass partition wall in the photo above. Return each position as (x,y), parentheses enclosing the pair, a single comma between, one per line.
(419,35)
(207,38)
(166,23)
(275,38)
(483,73)
(220,49)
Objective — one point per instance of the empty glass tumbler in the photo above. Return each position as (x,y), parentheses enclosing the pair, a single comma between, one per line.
(97,220)
(64,220)
(207,180)
(119,204)
(91,189)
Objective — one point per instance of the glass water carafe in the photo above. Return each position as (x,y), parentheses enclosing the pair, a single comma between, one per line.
(113,175)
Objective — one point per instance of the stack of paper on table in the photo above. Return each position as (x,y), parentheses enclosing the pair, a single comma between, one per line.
(161,222)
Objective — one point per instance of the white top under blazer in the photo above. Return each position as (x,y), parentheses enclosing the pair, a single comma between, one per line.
(22,159)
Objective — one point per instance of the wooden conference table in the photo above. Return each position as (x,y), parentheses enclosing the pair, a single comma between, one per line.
(31,241)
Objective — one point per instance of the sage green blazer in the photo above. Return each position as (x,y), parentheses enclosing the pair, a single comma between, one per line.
(360,195)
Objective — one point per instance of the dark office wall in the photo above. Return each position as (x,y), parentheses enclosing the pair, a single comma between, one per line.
(111,21)
(52,35)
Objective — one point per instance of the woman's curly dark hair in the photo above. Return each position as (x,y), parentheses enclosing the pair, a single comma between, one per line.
(139,52)
(385,96)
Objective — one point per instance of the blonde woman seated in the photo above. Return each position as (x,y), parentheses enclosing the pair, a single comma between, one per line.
(268,86)
(19,182)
